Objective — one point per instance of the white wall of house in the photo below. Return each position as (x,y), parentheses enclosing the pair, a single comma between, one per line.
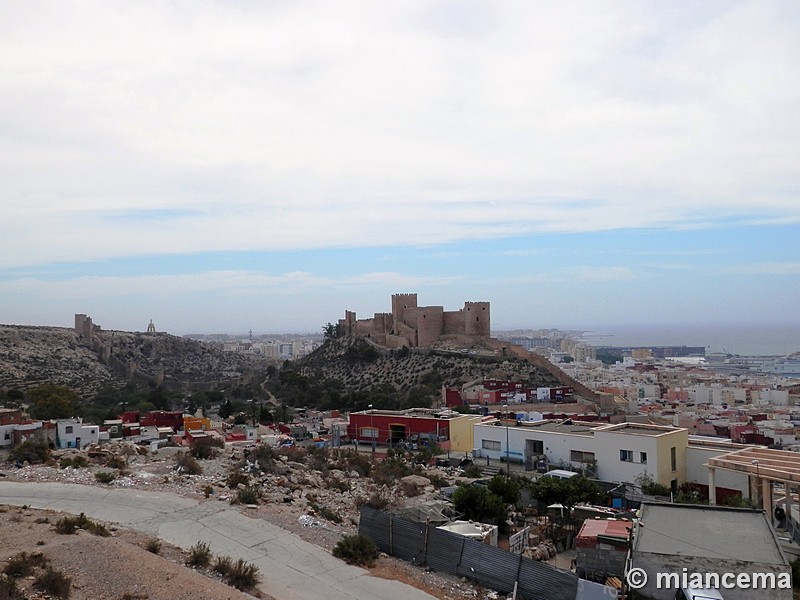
(623,457)
(6,435)
(619,456)
(72,432)
(696,457)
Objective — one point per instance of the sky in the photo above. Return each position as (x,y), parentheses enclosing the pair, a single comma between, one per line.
(234,165)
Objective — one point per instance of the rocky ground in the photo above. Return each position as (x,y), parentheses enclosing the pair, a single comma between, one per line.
(316,497)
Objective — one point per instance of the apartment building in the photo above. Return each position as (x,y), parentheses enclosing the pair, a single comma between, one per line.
(618,452)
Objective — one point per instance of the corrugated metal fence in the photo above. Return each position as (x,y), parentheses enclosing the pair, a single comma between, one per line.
(448,552)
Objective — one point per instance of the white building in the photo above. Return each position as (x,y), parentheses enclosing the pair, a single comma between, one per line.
(619,452)
(72,433)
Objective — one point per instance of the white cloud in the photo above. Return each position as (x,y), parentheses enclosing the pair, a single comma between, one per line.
(247,126)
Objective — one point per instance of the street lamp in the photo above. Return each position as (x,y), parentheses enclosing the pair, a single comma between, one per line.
(508,462)
(371,428)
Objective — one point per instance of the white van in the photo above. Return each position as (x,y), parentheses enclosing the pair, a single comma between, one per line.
(560,474)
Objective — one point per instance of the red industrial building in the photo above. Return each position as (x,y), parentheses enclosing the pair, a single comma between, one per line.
(390,427)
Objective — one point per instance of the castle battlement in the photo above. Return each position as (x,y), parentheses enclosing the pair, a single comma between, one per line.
(412,325)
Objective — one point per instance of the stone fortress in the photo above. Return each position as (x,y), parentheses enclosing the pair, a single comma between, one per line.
(421,326)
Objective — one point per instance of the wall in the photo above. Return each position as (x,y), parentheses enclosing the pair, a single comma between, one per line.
(461,432)
(7,435)
(611,468)
(430,324)
(413,325)
(679,440)
(697,456)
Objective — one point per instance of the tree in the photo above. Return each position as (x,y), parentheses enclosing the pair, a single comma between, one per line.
(12,398)
(50,401)
(226,410)
(477,503)
(506,488)
(330,331)
(568,492)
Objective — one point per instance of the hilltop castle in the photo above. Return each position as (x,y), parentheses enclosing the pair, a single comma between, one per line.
(412,325)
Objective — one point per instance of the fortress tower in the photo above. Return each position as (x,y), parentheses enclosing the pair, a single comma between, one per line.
(400,304)
(476,319)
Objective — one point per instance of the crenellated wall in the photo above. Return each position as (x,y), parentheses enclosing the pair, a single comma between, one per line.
(412,325)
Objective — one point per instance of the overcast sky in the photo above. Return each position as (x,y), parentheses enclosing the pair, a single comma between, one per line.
(234,165)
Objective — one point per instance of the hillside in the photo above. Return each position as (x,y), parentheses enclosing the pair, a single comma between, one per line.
(353,371)
(30,356)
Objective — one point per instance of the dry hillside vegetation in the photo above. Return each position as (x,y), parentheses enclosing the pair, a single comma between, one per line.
(357,364)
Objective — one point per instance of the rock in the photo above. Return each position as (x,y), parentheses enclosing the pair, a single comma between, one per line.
(414,485)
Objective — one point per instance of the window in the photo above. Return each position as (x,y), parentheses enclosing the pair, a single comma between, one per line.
(581,456)
(369,432)
(8,436)
(626,455)
(490,445)
(68,429)
(643,457)
(673,458)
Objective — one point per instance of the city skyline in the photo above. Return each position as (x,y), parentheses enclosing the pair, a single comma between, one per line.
(266,166)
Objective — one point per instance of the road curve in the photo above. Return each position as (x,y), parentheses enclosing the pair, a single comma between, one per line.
(291,568)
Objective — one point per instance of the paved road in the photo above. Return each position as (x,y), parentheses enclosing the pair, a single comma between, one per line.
(291,568)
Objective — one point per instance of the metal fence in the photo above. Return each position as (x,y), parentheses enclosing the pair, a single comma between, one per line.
(425,545)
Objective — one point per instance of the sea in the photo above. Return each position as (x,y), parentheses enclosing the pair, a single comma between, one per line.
(744,339)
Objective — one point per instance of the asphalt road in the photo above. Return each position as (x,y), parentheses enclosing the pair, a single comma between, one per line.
(290,568)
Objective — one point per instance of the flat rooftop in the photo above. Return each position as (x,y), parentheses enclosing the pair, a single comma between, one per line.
(641,429)
(574,428)
(707,532)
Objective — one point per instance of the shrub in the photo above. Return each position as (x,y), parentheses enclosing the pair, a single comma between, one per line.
(223,565)
(206,447)
(9,589)
(186,463)
(390,470)
(117,462)
(242,575)
(154,546)
(378,500)
(437,480)
(248,495)
(31,451)
(350,460)
(23,564)
(104,477)
(326,512)
(70,525)
(235,478)
(76,462)
(650,486)
(473,472)
(356,549)
(66,526)
(54,583)
(199,555)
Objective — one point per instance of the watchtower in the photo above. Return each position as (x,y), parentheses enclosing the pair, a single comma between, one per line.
(476,319)
(401,303)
